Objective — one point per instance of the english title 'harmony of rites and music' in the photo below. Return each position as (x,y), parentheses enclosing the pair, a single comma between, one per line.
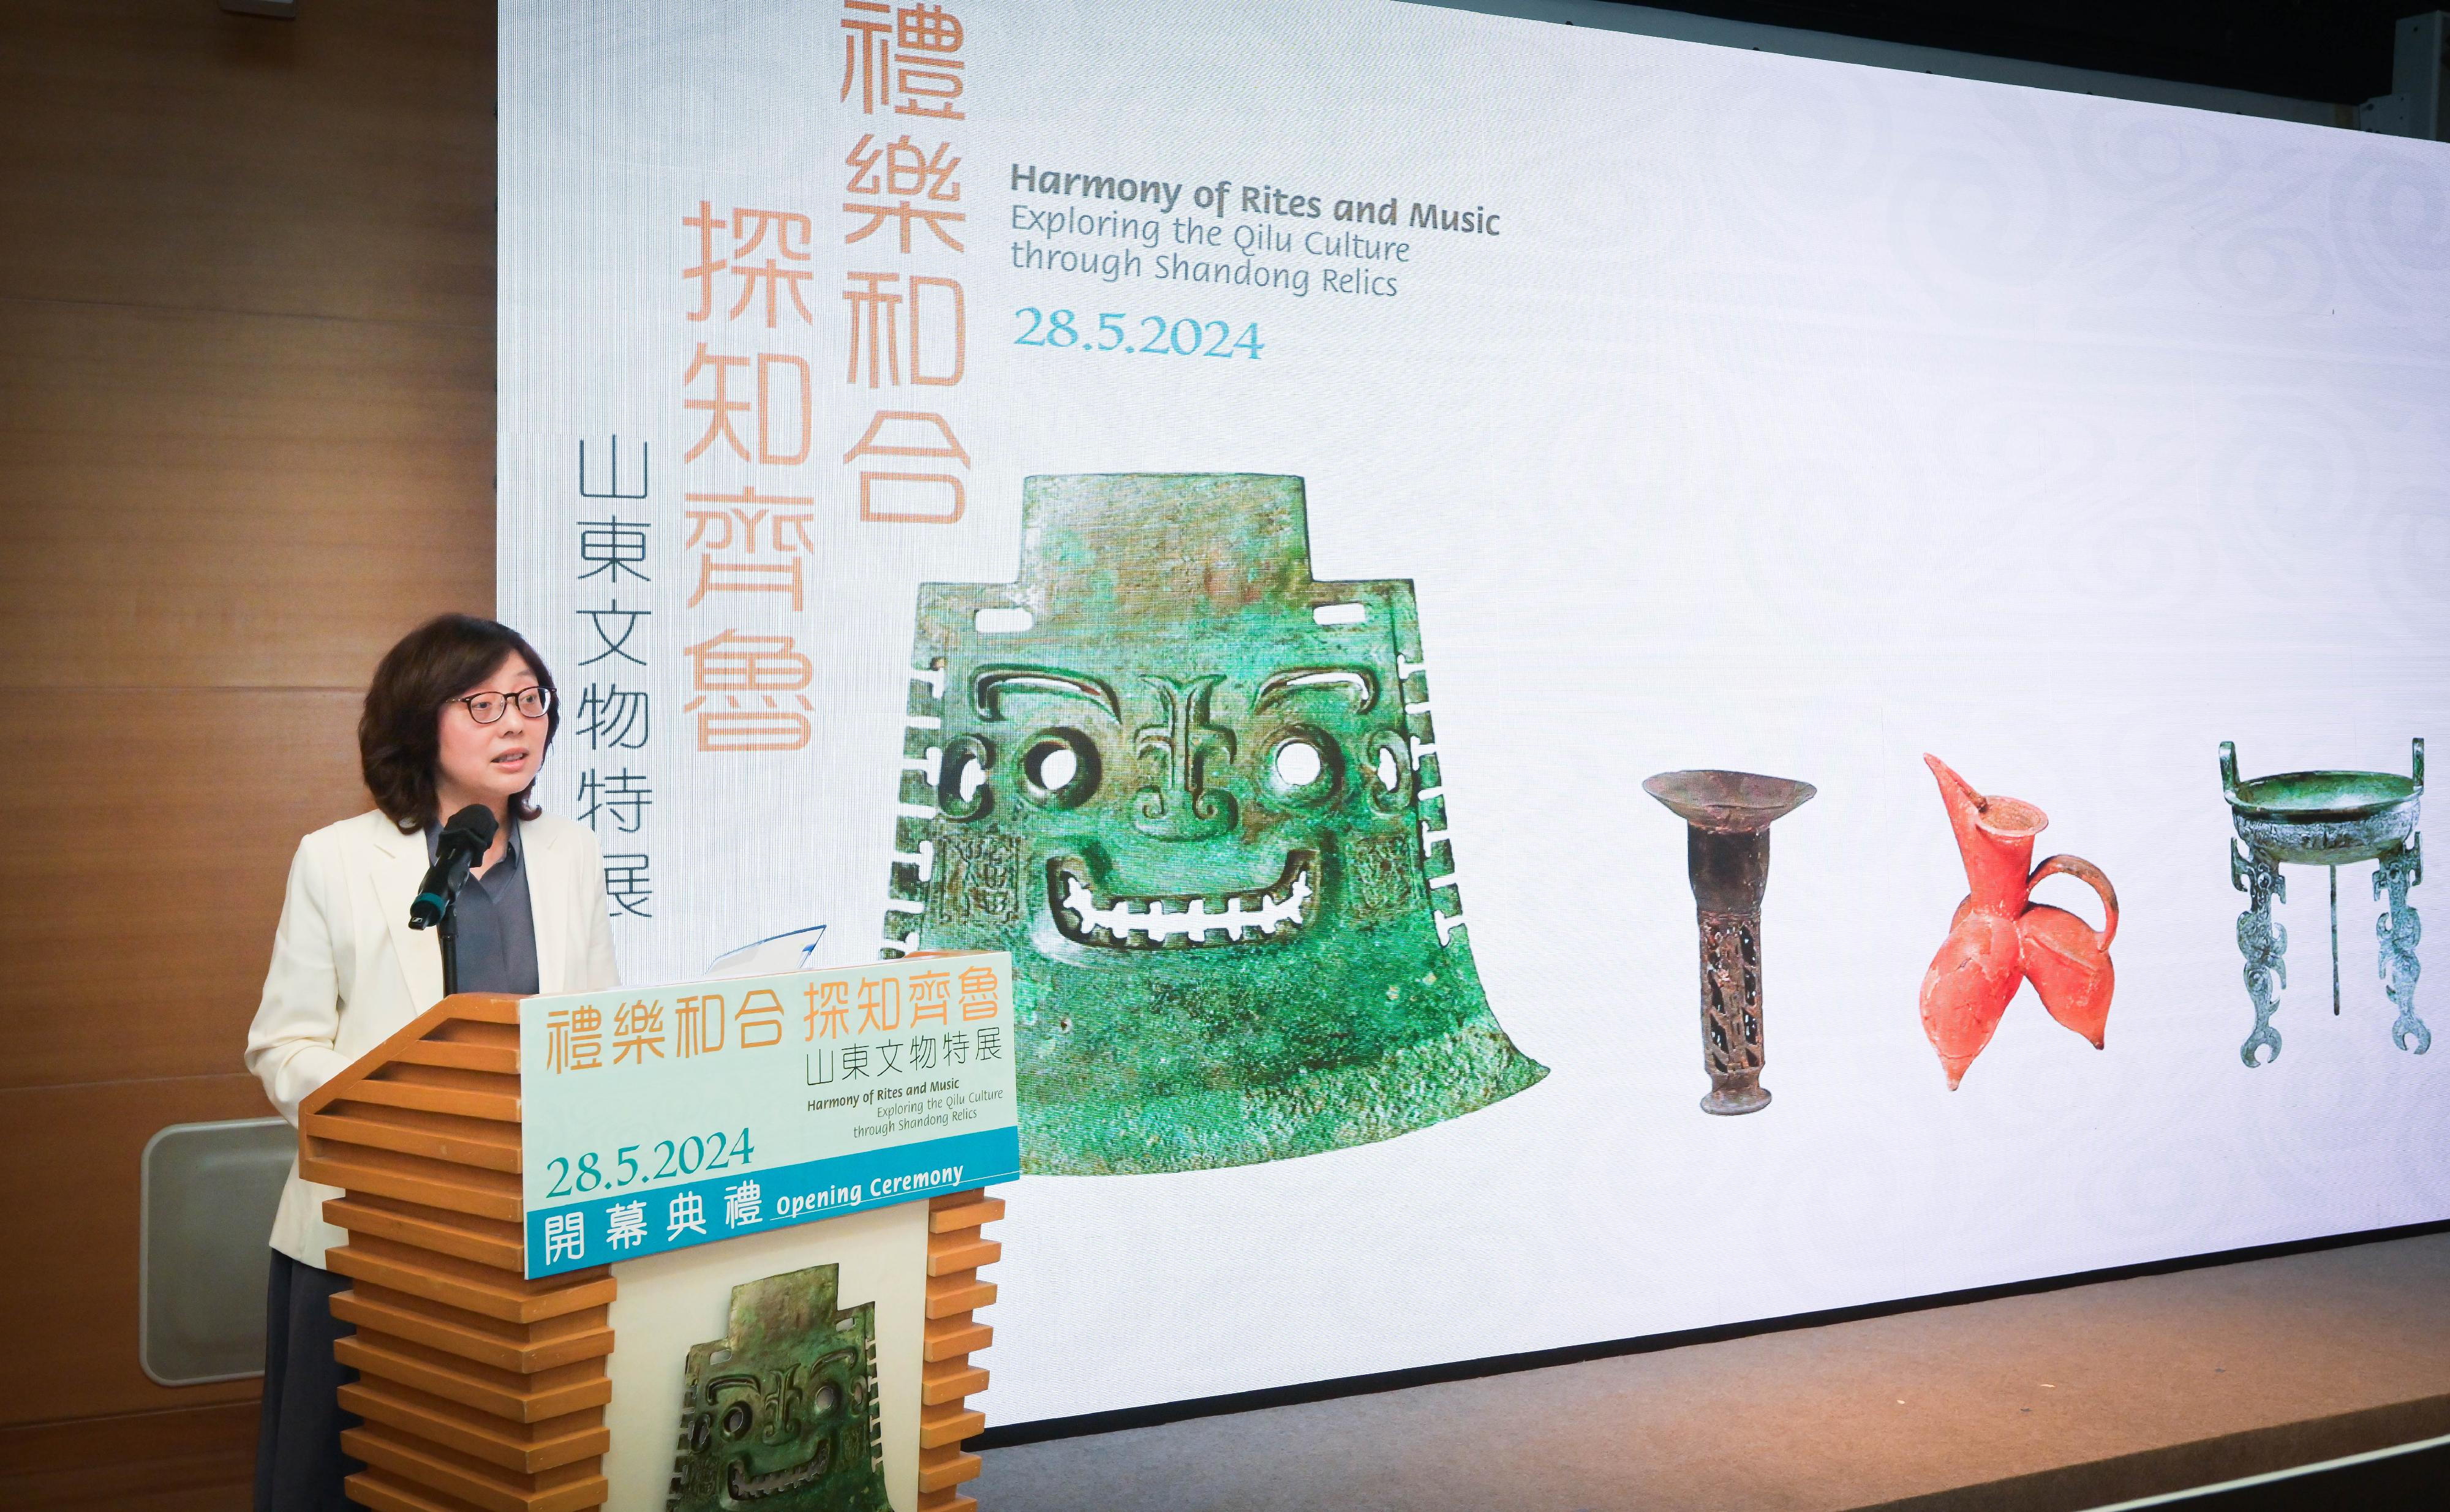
(1352,260)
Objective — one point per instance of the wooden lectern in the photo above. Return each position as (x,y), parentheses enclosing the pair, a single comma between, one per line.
(482,1390)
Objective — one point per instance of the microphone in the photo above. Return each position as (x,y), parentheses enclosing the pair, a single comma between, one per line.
(462,842)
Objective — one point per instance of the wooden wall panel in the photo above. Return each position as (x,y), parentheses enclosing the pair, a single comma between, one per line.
(166,153)
(70,1187)
(195,1459)
(246,412)
(203,499)
(161,823)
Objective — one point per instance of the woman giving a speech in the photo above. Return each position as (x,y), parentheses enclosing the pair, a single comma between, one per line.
(461,712)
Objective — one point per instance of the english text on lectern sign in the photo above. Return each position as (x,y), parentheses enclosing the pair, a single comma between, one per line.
(659,1118)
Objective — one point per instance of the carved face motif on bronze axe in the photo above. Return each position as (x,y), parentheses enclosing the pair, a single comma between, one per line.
(1196,795)
(782,1411)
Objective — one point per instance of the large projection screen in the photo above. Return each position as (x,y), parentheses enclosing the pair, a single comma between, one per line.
(1654,408)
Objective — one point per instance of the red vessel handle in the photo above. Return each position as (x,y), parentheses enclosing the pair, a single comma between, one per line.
(2092,877)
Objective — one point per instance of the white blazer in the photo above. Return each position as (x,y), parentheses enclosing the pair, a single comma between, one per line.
(348,973)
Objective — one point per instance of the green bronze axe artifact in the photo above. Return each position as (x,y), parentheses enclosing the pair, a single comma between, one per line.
(780,1412)
(1196,795)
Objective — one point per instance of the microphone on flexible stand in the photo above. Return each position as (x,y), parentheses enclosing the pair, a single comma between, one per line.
(462,844)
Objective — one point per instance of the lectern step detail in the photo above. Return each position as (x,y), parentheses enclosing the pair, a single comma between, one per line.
(493,1243)
(565,1340)
(525,1447)
(944,1418)
(948,1424)
(447,1138)
(950,1338)
(956,1295)
(481,1390)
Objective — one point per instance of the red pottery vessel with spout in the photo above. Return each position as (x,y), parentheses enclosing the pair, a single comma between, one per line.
(2000,937)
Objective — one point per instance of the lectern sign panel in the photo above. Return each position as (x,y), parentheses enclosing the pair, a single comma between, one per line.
(660,1117)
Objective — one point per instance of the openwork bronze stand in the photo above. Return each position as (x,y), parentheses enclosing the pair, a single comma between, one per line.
(2329,819)
(1728,816)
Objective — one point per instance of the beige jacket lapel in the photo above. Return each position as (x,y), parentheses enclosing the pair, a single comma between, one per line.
(399,866)
(549,900)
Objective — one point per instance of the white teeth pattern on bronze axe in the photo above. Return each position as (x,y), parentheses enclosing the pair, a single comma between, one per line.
(1434,829)
(914,853)
(1149,923)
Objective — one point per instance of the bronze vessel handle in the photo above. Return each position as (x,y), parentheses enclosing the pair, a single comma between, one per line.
(2092,877)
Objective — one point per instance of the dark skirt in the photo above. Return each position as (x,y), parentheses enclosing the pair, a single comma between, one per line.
(298,1465)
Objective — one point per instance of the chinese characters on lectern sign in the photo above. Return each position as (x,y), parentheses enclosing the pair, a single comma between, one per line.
(658,1118)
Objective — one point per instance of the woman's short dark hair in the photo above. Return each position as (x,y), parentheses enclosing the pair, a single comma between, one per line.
(400,733)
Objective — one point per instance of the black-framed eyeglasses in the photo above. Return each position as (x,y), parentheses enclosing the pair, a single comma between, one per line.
(488,708)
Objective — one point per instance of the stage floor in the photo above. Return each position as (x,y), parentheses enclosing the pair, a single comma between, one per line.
(2058,1400)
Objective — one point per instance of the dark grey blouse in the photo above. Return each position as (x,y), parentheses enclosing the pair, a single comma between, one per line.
(497,949)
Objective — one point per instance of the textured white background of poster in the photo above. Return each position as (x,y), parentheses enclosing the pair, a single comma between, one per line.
(1804,418)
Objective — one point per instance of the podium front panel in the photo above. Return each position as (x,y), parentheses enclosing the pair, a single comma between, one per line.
(829,1414)
(771,1362)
